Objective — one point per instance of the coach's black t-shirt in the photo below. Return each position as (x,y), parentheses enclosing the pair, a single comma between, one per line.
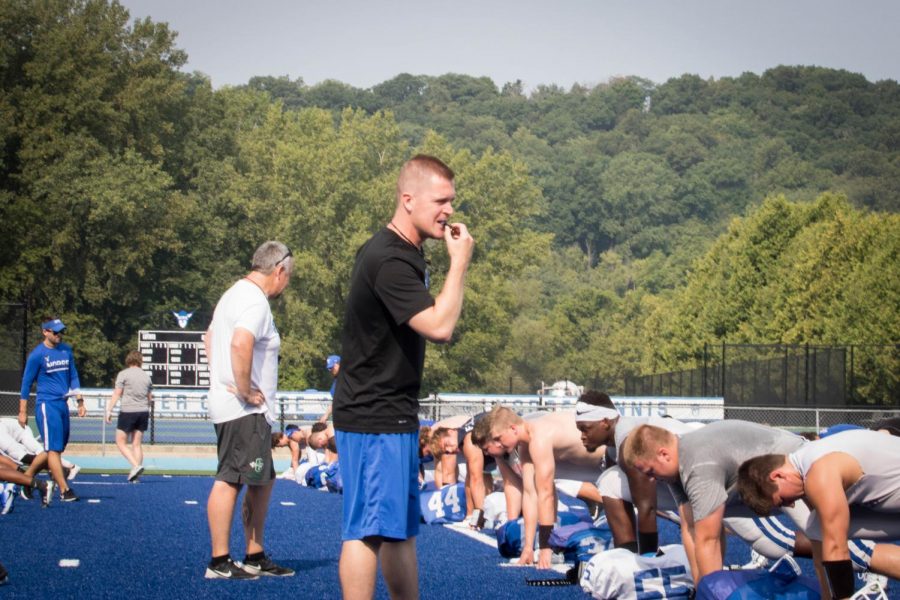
(381,356)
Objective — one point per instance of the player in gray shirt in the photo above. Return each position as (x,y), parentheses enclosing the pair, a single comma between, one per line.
(702,468)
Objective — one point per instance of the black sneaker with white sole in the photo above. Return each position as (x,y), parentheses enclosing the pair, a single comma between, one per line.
(46,489)
(68,496)
(265,566)
(227,570)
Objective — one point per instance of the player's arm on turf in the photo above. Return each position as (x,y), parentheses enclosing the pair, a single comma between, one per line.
(242,341)
(687,537)
(512,490)
(474,472)
(825,487)
(529,507)
(541,452)
(450,467)
(643,496)
(295,454)
(708,542)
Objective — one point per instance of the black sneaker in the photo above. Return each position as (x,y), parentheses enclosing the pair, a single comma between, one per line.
(26,491)
(265,566)
(4,575)
(46,489)
(227,570)
(68,496)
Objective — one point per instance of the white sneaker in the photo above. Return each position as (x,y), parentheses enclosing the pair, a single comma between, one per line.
(757,561)
(8,493)
(874,588)
(135,473)
(73,472)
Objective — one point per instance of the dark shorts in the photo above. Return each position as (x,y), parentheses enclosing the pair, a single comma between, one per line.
(245,451)
(133,421)
(381,484)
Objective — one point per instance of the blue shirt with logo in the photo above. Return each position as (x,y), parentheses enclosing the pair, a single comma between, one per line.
(53,369)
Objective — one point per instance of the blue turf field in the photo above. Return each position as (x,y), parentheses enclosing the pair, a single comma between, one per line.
(147,540)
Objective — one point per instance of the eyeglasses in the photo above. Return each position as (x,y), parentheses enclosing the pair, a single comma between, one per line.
(285,257)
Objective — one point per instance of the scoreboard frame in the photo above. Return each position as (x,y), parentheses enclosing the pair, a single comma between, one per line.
(174,358)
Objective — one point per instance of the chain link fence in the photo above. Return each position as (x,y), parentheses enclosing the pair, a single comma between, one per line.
(785,375)
(180,418)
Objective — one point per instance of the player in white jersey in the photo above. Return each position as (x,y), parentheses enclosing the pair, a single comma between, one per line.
(549,448)
(600,424)
(19,444)
(851,481)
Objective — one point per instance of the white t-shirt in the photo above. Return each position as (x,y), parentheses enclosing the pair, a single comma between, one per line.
(243,306)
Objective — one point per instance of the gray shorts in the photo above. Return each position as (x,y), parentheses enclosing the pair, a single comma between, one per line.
(245,451)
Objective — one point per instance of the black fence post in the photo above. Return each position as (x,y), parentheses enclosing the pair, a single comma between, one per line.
(806,375)
(851,396)
(723,370)
(152,423)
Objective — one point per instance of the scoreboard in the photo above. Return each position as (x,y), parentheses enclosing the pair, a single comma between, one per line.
(174,358)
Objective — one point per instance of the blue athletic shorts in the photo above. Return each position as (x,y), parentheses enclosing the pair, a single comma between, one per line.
(52,418)
(381,484)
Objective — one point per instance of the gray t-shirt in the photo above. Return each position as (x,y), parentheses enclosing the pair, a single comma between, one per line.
(709,459)
(135,385)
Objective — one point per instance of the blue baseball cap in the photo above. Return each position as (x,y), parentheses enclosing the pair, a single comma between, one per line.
(290,429)
(54,325)
(332,360)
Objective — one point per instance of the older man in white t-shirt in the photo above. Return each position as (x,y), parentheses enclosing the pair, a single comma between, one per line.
(242,346)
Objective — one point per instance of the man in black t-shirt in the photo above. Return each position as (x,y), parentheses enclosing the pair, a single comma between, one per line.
(388,316)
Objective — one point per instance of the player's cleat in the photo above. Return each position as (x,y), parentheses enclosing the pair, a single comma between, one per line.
(228,570)
(757,561)
(265,566)
(874,588)
(46,489)
(7,497)
(27,491)
(68,496)
(135,473)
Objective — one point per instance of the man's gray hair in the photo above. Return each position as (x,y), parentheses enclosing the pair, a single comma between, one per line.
(269,255)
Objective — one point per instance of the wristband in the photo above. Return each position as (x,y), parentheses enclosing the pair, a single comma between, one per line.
(839,574)
(648,542)
(544,532)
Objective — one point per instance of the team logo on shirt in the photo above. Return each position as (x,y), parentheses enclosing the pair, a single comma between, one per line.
(53,366)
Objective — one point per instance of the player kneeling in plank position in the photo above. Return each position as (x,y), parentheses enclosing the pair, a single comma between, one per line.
(548,447)
(851,481)
(701,469)
(452,442)
(600,424)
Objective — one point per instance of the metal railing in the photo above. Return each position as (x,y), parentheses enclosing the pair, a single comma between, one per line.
(185,426)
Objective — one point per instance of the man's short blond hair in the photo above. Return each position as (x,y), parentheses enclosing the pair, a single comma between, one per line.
(643,442)
(419,167)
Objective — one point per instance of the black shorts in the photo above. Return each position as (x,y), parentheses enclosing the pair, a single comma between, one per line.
(245,451)
(133,421)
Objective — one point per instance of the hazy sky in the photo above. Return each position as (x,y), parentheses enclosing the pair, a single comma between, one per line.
(364,42)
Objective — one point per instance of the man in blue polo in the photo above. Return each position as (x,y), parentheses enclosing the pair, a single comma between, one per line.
(52,365)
